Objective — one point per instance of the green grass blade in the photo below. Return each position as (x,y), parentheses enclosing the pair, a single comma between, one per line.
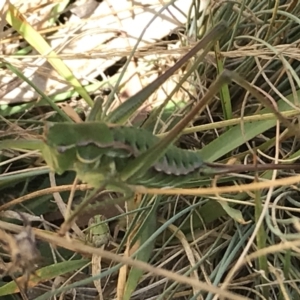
(18,22)
(261,240)
(45,274)
(22,144)
(144,233)
(45,97)
(11,179)
(224,93)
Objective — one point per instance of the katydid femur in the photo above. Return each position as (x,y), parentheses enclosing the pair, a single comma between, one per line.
(114,156)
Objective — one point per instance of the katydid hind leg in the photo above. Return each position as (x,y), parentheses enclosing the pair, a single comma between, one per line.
(142,163)
(121,113)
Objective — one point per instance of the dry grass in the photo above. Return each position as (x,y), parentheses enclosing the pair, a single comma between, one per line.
(203,248)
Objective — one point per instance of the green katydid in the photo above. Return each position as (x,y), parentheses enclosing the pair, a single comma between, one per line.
(114,156)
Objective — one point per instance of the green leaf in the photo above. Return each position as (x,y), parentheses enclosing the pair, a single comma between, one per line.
(144,233)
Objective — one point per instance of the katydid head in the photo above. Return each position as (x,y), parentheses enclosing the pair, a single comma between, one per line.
(54,138)
(68,143)
(57,162)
